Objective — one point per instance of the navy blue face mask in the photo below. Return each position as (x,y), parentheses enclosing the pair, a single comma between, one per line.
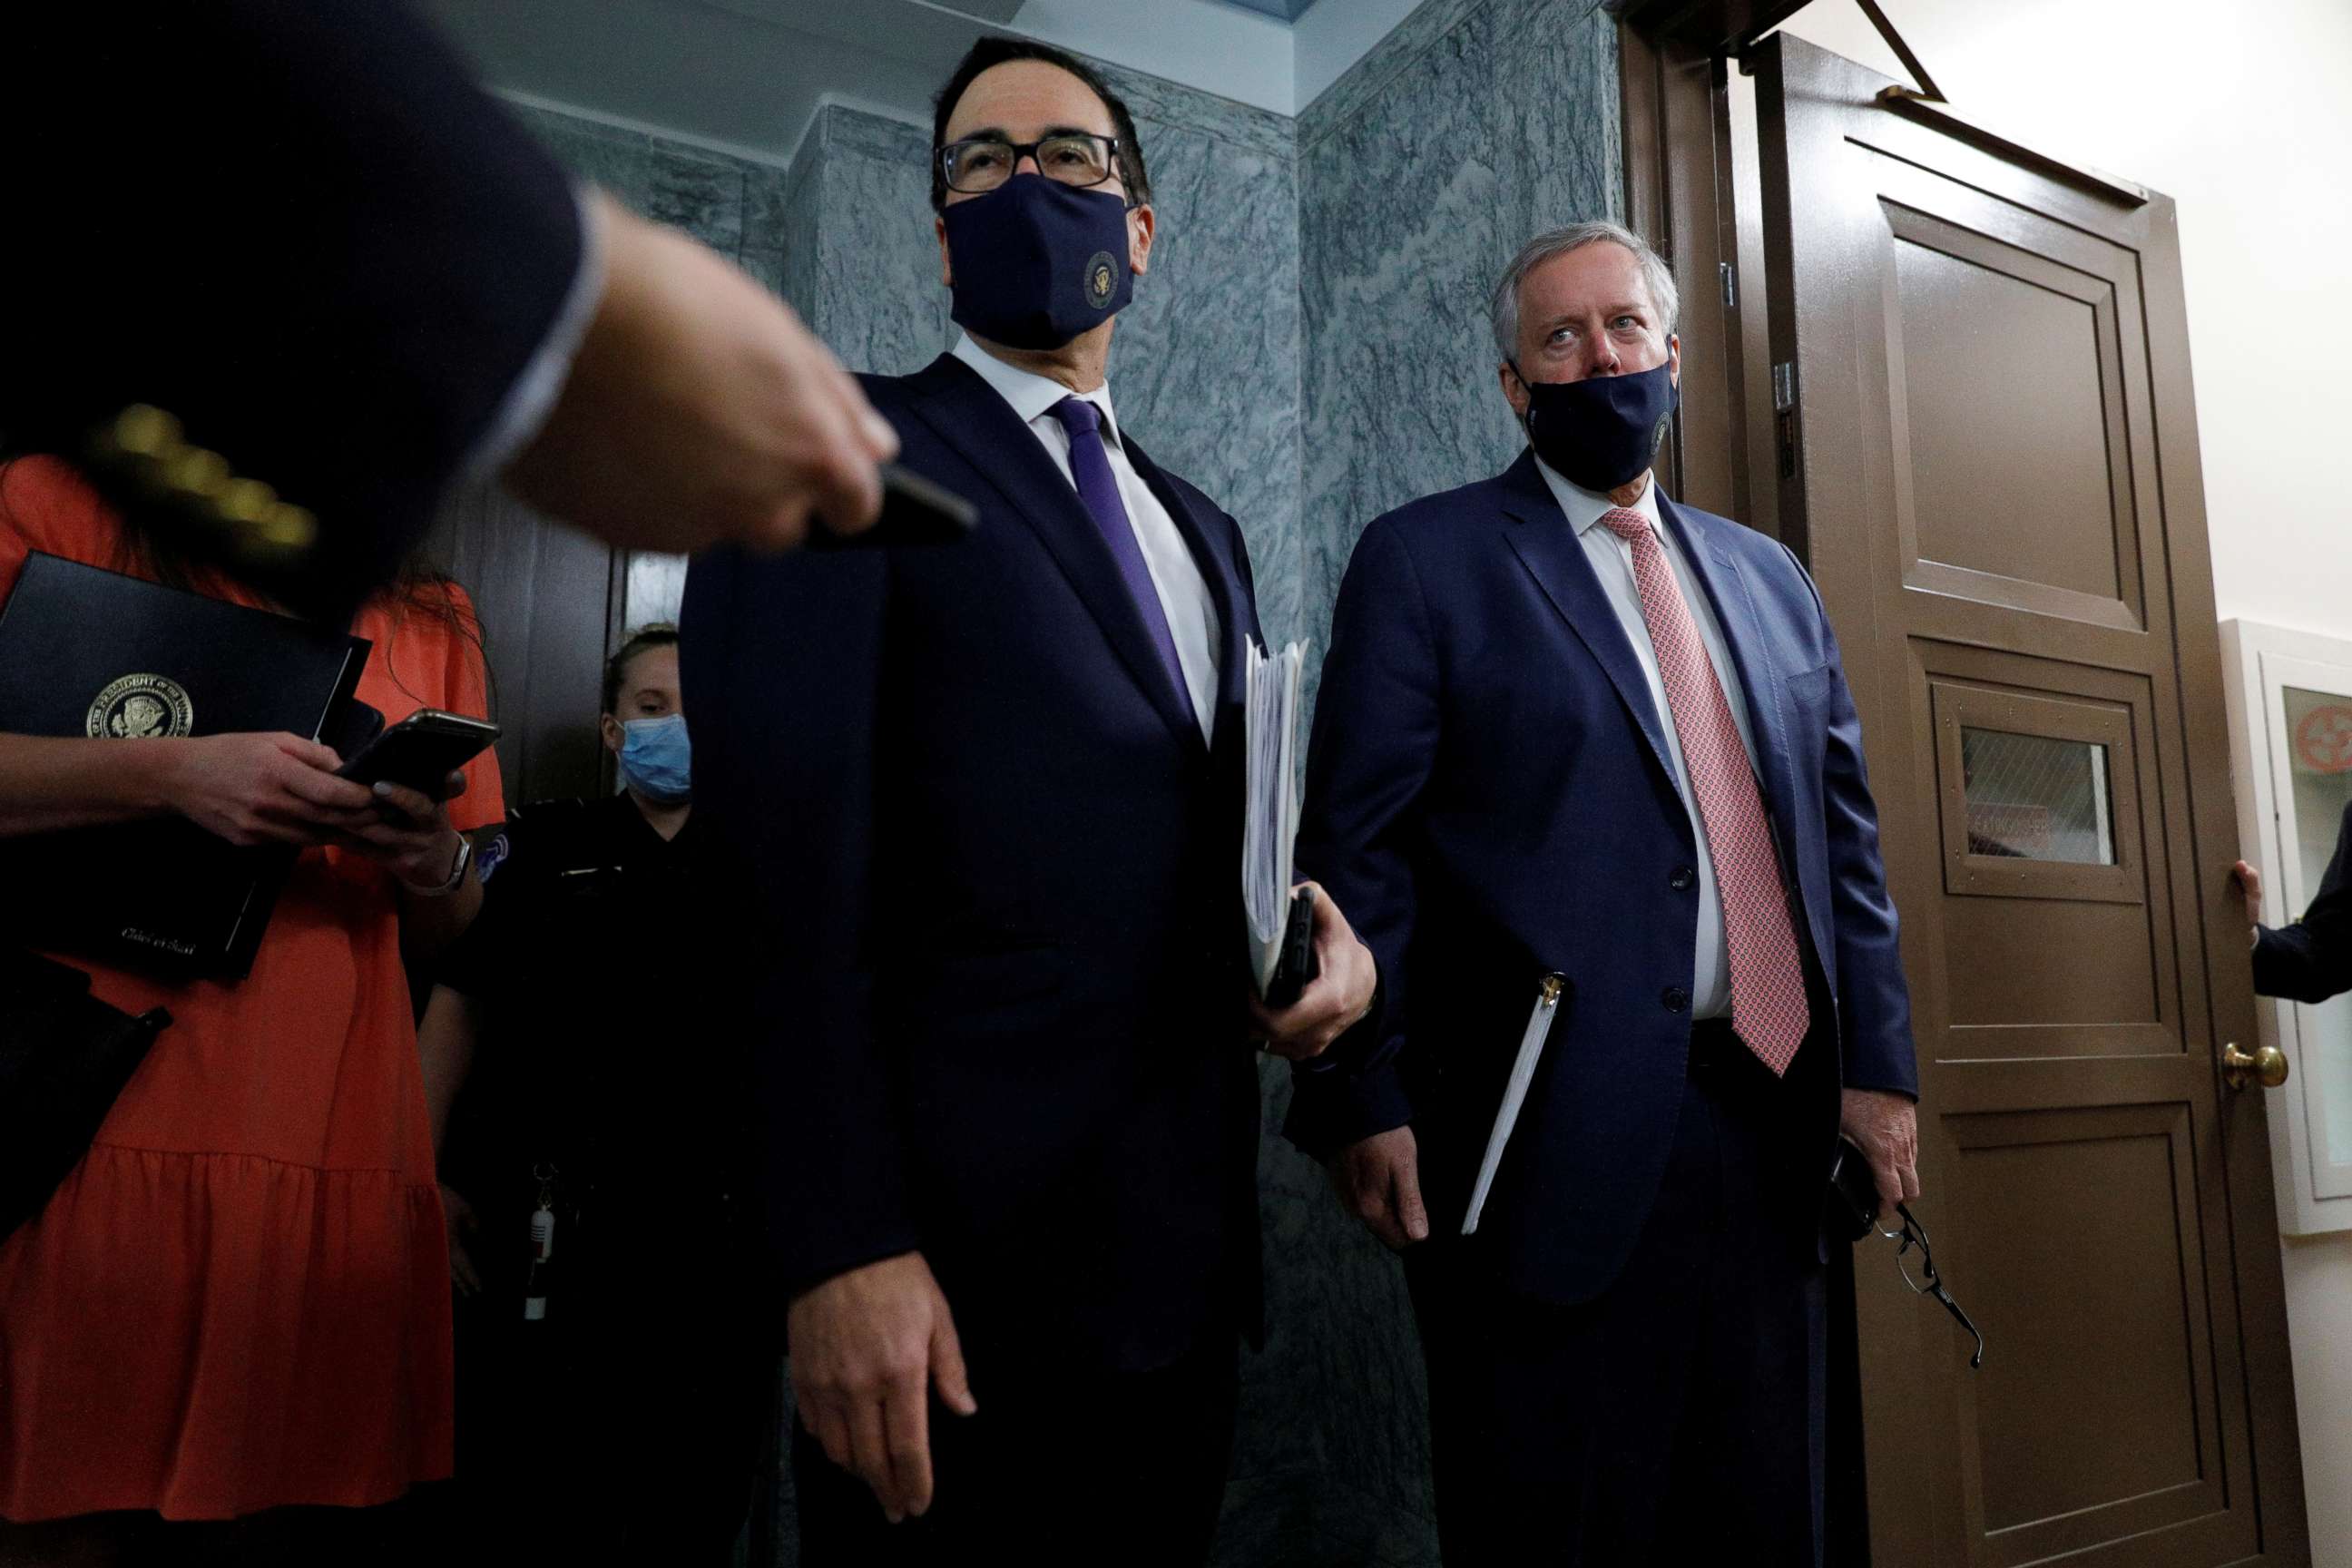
(1038,262)
(1603,431)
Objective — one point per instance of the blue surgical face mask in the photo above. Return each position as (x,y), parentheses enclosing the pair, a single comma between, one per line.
(1603,431)
(656,760)
(1036,262)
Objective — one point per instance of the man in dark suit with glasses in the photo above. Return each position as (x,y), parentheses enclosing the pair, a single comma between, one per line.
(1586,768)
(989,799)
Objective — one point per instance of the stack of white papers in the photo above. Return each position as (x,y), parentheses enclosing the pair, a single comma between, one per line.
(1272,820)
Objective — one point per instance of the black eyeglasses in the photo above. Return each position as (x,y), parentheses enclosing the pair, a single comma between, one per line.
(1929,1282)
(980,164)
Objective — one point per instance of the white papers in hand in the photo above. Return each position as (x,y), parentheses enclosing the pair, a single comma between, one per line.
(1514,1095)
(1271,823)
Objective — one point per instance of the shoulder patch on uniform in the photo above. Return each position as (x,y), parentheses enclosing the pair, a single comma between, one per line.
(490,856)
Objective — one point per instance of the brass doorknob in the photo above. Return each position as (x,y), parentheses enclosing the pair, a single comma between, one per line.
(2266,1067)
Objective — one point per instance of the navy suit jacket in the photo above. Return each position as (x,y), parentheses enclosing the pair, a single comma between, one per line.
(301,229)
(1489,798)
(985,897)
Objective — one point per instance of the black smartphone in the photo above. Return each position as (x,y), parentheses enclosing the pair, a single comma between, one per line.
(421,751)
(1853,1199)
(1297,968)
(915,512)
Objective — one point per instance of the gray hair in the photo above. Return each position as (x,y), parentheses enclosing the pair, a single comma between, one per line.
(1504,308)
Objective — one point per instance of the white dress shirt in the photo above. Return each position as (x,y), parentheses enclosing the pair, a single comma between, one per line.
(1612,562)
(1184,593)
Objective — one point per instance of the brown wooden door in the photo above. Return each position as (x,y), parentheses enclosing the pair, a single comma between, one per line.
(1988,457)
(553,603)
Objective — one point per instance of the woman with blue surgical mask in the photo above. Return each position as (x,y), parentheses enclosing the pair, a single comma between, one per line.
(615,1373)
(644,729)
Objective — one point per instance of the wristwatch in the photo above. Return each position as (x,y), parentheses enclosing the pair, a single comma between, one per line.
(465,863)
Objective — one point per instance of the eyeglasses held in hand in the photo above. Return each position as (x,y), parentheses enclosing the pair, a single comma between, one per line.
(1929,1282)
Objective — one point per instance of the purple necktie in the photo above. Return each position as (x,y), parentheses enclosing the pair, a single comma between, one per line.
(1098,488)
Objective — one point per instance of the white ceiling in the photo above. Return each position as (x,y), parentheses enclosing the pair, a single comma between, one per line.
(1288,10)
(746,75)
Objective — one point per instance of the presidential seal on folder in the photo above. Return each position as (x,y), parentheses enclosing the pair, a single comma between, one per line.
(99,655)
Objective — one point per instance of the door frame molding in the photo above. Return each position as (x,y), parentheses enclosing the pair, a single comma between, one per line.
(1703,26)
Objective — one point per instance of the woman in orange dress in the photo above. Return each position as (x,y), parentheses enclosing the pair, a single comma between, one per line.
(239,1301)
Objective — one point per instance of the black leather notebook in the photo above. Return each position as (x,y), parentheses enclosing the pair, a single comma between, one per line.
(94,653)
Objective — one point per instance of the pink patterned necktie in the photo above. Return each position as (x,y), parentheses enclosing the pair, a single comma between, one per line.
(1768,977)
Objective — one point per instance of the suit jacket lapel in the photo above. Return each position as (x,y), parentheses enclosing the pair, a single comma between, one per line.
(1719,575)
(967,414)
(1547,546)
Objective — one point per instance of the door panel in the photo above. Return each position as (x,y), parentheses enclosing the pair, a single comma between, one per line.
(2008,343)
(545,595)
(1951,428)
(1988,461)
(2000,897)
(554,605)
(2101,1296)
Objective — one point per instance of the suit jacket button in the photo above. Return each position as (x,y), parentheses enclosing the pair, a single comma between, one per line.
(1681,879)
(1677,999)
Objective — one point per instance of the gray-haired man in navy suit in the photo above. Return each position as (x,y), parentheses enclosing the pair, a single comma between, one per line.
(1574,740)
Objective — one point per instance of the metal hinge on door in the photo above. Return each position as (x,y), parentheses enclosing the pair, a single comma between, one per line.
(1784,415)
(1730,287)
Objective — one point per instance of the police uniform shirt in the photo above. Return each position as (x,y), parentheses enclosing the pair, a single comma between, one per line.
(591,1055)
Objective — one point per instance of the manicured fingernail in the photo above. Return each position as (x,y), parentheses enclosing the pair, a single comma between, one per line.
(382,786)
